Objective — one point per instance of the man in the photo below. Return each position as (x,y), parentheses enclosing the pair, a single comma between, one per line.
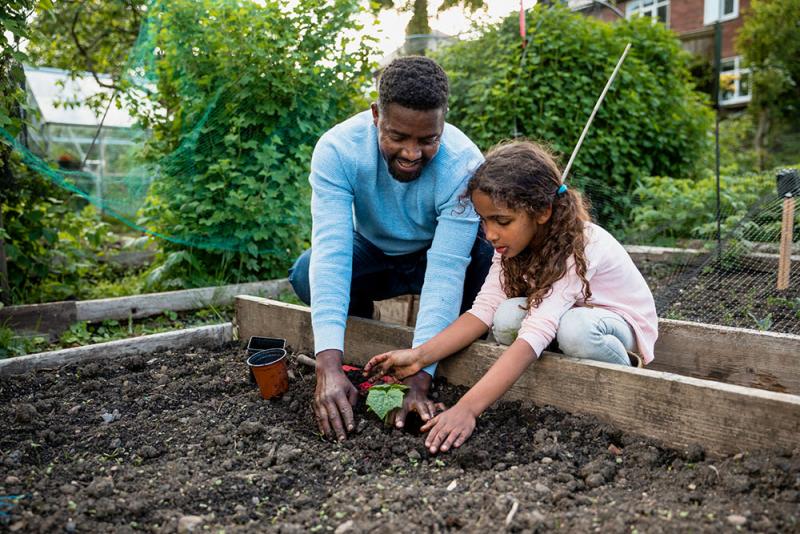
(388,220)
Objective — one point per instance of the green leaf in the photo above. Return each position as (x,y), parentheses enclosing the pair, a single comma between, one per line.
(384,398)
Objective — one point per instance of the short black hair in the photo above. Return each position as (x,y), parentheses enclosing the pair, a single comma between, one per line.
(414,82)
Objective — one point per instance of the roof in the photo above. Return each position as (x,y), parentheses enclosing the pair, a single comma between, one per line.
(51,87)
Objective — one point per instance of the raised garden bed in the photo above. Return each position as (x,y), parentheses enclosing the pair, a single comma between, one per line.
(178,440)
(128,436)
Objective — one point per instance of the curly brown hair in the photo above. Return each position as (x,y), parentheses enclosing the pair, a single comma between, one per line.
(522,175)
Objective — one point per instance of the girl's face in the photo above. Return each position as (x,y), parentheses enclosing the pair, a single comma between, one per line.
(509,231)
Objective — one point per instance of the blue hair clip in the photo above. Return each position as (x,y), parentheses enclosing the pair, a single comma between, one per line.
(562,189)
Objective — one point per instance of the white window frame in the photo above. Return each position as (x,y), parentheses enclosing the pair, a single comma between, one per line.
(637,7)
(711,11)
(737,72)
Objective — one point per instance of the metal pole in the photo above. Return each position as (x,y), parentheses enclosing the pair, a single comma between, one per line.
(594,112)
(717,89)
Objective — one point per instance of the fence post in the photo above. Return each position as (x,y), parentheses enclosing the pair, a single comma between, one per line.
(788,181)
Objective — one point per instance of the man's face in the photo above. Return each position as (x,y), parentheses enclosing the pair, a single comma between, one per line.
(408,138)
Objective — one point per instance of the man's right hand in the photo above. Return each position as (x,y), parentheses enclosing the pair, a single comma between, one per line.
(334,396)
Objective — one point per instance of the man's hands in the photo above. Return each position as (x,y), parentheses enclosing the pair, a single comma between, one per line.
(450,428)
(334,396)
(397,363)
(416,400)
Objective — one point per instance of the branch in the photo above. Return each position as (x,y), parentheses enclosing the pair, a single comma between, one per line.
(85,53)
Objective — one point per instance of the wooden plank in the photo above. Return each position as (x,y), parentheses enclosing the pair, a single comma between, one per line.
(213,336)
(52,318)
(759,261)
(56,317)
(675,409)
(751,358)
(150,304)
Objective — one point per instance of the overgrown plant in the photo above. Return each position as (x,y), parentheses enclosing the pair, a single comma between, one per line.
(671,209)
(652,121)
(242,93)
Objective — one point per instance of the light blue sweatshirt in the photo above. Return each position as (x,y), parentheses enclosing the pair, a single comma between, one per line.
(353,190)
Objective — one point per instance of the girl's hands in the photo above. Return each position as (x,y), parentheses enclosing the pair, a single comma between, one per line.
(450,428)
(397,363)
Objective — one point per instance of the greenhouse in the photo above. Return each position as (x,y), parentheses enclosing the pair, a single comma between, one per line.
(69,132)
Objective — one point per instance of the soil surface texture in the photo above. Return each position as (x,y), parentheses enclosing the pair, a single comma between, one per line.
(181,442)
(740,298)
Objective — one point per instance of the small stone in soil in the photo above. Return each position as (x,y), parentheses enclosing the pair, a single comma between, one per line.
(148,451)
(25,413)
(595,480)
(101,487)
(736,520)
(189,523)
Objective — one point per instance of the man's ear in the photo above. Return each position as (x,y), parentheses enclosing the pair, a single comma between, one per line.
(545,215)
(375,113)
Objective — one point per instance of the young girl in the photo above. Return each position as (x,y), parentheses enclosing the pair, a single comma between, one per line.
(568,277)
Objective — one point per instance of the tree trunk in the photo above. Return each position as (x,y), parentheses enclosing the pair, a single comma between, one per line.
(5,289)
(760,138)
(418,26)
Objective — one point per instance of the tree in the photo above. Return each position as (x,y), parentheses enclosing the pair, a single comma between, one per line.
(651,123)
(92,36)
(418,25)
(771,47)
(13,16)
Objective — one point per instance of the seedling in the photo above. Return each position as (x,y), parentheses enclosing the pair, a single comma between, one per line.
(384,398)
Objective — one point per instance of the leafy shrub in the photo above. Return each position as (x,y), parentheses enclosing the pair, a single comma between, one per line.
(668,209)
(244,90)
(651,123)
(54,252)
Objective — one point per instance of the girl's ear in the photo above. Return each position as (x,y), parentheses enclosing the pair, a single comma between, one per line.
(544,216)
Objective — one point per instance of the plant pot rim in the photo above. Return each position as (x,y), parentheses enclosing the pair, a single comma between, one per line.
(272,362)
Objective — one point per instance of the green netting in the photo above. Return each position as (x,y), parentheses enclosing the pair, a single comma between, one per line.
(230,98)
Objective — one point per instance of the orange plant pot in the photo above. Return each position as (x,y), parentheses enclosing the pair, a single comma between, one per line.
(270,370)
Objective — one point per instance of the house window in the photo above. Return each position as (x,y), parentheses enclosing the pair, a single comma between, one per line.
(658,10)
(721,10)
(734,82)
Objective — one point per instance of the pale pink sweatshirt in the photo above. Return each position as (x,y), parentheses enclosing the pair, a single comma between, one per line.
(616,285)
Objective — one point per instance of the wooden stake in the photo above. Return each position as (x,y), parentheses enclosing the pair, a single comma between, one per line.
(787,224)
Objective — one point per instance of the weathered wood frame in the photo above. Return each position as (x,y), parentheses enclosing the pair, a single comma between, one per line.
(210,336)
(678,410)
(56,317)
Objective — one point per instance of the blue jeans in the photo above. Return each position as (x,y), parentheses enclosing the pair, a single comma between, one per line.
(591,333)
(378,276)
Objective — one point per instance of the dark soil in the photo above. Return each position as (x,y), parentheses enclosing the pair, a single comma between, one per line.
(188,443)
(742,298)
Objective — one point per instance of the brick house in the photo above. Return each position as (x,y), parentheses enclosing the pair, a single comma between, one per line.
(693,21)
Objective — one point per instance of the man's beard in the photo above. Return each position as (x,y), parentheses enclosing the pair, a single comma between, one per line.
(401,176)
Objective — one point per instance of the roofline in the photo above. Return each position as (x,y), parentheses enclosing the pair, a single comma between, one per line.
(54,70)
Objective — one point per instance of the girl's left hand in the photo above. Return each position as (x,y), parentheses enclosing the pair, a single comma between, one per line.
(450,428)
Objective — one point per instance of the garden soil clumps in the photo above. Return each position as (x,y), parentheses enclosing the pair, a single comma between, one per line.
(182,442)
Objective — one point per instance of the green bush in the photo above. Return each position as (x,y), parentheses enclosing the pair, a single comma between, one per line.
(248,88)
(671,209)
(652,121)
(54,252)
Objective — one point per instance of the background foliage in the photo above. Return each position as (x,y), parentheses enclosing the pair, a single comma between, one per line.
(651,123)
(242,93)
(770,44)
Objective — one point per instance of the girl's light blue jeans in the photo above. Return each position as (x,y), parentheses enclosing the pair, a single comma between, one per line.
(591,333)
